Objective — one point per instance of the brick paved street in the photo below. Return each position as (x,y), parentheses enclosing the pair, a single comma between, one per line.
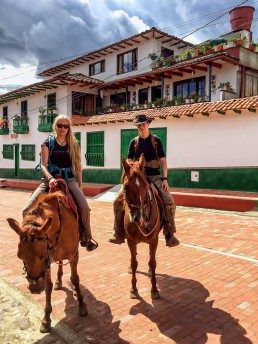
(208,284)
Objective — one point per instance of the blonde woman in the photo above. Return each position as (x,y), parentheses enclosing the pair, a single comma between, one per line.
(64,159)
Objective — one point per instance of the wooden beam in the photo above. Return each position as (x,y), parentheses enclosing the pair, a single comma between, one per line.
(204,69)
(185,70)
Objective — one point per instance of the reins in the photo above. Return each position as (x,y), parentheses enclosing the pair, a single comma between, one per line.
(51,249)
(143,207)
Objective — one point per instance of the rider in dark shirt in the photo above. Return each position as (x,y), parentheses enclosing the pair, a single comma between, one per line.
(151,146)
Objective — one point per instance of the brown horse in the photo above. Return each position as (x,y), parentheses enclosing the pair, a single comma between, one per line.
(49,232)
(143,219)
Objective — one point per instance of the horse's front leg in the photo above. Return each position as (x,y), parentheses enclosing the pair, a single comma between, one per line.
(76,285)
(58,282)
(46,321)
(134,264)
(152,269)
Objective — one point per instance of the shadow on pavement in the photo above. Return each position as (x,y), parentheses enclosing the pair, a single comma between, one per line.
(182,310)
(97,327)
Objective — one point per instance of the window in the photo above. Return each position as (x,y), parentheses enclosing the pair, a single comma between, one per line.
(8,152)
(28,152)
(143,95)
(97,68)
(24,108)
(83,104)
(166,52)
(95,149)
(155,93)
(187,87)
(51,101)
(78,138)
(127,62)
(120,98)
(5,111)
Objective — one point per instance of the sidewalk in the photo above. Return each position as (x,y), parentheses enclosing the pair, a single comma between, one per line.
(201,198)
(208,284)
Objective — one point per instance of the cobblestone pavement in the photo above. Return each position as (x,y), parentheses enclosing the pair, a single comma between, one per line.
(208,284)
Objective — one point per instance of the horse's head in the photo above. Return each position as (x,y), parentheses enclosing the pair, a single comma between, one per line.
(136,190)
(33,250)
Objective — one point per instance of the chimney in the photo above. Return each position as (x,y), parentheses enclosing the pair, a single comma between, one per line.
(241,18)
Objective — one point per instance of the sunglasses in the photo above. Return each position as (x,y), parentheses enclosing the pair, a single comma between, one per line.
(59,125)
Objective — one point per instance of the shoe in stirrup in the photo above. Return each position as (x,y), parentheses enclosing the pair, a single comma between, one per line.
(117,239)
(171,240)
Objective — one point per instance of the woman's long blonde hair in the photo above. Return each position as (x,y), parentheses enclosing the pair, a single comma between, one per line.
(73,146)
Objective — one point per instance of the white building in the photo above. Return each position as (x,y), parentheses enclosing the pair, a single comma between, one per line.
(210,144)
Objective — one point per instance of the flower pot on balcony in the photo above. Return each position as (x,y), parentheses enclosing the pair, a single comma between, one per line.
(241,18)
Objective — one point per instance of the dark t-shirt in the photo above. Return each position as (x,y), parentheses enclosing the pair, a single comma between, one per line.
(145,146)
(59,156)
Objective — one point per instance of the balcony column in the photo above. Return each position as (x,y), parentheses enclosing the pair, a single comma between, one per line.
(209,81)
(162,85)
(126,92)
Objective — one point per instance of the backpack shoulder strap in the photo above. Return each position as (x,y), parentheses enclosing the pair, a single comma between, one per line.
(154,141)
(136,143)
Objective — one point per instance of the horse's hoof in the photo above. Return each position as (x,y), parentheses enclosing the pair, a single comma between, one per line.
(134,294)
(45,328)
(58,286)
(130,270)
(83,310)
(155,295)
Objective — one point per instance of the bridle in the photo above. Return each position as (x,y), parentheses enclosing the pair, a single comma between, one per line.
(144,205)
(50,247)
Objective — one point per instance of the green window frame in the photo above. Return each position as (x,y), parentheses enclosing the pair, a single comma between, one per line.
(28,152)
(95,149)
(78,138)
(8,152)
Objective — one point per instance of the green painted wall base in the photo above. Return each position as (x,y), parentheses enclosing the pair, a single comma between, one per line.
(237,179)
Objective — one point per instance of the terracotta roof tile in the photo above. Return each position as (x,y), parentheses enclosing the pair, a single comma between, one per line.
(181,110)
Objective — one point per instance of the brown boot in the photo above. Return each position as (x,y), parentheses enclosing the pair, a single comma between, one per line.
(119,235)
(169,226)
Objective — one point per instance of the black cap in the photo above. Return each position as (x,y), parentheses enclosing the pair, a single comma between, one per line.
(141,119)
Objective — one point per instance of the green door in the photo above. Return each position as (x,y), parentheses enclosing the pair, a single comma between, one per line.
(128,134)
(16,161)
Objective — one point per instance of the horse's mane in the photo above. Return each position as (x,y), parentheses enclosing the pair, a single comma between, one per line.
(135,168)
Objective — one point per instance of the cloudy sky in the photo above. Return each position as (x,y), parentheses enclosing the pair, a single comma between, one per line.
(35,35)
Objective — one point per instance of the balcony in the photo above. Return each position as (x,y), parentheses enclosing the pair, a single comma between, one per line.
(20,125)
(4,130)
(46,122)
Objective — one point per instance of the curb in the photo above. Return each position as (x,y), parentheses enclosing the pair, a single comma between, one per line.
(57,327)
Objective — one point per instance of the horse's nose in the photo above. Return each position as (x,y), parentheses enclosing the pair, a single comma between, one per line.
(135,219)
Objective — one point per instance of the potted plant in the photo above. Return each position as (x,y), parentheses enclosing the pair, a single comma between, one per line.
(179,100)
(177,58)
(252,46)
(194,97)
(42,110)
(226,86)
(153,56)
(187,99)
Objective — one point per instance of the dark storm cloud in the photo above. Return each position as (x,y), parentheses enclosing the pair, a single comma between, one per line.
(44,31)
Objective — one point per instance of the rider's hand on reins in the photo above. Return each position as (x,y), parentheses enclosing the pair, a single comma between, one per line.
(165,186)
(52,182)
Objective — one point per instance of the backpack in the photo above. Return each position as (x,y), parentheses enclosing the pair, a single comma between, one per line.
(153,141)
(51,147)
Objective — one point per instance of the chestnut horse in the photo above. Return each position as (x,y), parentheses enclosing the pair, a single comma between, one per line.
(49,232)
(143,219)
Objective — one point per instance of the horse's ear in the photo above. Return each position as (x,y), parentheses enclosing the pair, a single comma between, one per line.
(46,224)
(142,162)
(125,165)
(15,225)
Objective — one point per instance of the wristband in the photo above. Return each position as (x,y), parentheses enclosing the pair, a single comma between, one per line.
(164,178)
(50,178)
